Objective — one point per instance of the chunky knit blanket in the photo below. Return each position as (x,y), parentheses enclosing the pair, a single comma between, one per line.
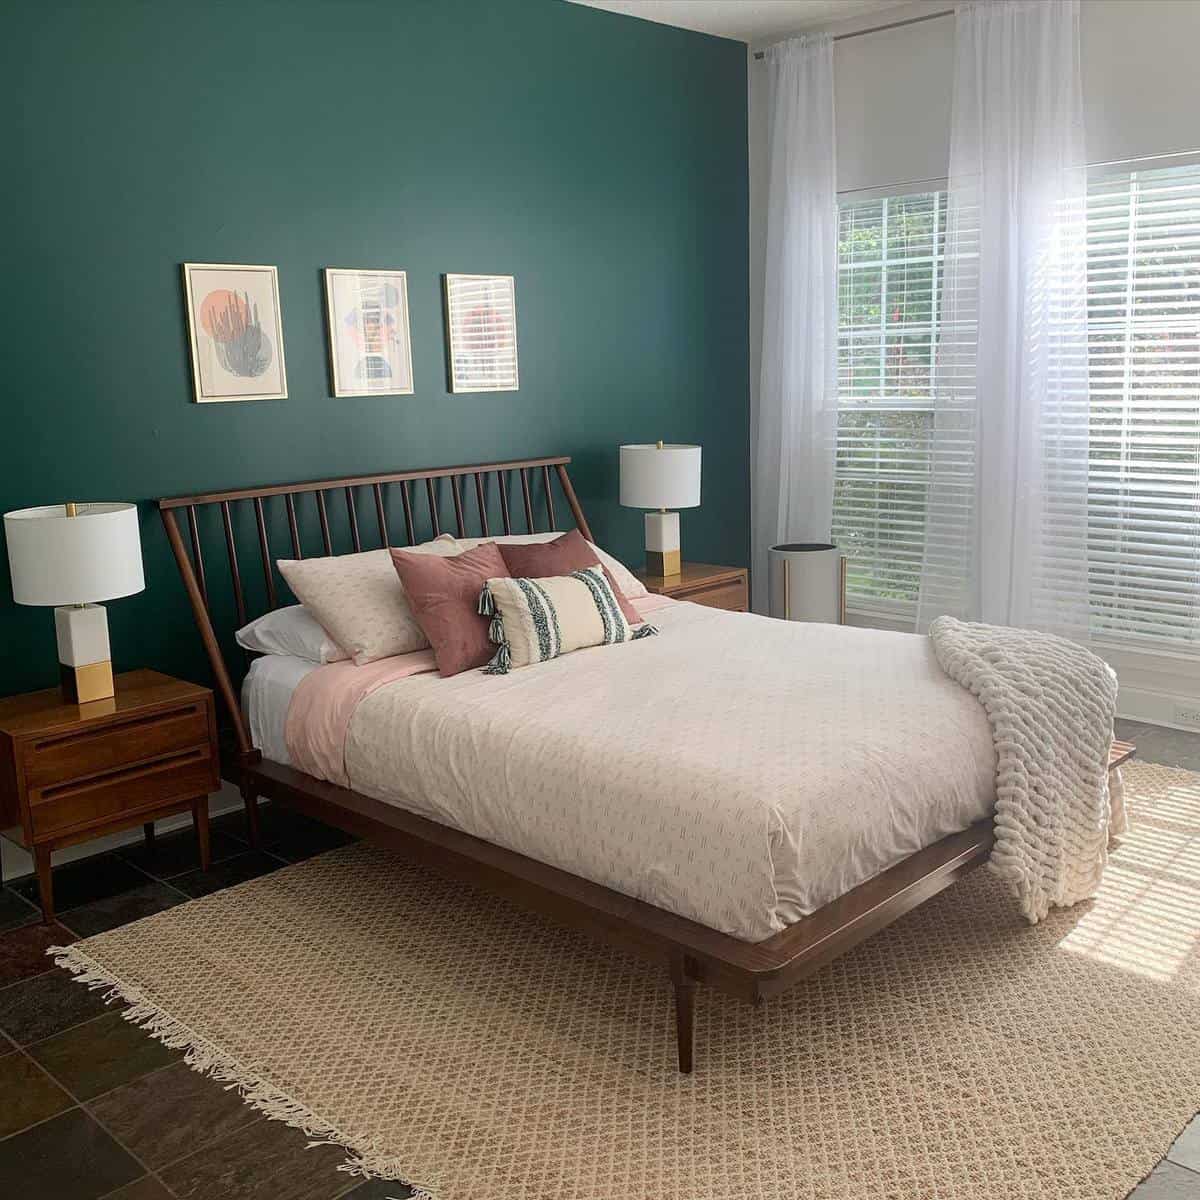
(1051,705)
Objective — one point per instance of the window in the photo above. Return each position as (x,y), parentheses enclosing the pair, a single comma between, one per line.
(1144,377)
(889,278)
(1144,384)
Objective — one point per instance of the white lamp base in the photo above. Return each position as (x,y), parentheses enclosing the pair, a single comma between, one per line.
(83,652)
(662,544)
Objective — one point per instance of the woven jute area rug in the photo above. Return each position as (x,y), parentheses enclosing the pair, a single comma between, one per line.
(480,1053)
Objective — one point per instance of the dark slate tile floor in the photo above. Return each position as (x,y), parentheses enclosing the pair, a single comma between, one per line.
(93,1109)
(98,1111)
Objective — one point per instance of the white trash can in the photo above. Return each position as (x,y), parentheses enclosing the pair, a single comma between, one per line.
(808,582)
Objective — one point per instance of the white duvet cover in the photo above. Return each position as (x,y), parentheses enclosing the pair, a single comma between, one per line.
(737,770)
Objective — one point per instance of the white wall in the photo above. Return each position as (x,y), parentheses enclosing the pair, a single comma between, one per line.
(892,103)
(1141,85)
(1141,91)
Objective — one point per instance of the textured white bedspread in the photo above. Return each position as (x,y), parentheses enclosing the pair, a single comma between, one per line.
(736,770)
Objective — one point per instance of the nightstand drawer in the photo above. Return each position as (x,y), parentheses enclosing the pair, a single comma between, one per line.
(731,596)
(77,755)
(77,805)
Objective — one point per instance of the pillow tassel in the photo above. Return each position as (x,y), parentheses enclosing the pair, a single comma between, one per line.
(645,631)
(501,662)
(487,605)
(496,630)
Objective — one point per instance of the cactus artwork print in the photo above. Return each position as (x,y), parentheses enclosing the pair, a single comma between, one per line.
(236,332)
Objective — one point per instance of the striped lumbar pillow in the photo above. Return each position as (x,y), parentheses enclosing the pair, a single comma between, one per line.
(535,620)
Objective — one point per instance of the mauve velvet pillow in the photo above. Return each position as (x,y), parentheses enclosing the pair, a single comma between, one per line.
(571,552)
(444,595)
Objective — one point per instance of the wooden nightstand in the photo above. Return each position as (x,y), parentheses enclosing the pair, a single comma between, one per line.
(703,583)
(70,772)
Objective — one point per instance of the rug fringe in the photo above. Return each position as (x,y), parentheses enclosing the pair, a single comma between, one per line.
(201,1055)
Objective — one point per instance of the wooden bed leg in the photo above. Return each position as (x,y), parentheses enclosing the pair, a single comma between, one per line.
(41,860)
(250,799)
(685,1013)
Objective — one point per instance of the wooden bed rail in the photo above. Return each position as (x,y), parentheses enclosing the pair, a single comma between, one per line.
(523,488)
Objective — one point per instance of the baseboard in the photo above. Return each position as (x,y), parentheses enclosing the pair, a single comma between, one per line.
(16,860)
(1155,688)
(1156,708)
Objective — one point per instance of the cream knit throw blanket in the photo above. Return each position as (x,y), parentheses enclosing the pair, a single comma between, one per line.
(1051,705)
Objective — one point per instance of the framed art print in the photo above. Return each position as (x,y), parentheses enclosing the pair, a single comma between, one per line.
(236,332)
(481,332)
(370,350)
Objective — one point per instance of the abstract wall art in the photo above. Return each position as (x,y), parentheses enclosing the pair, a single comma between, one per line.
(236,332)
(481,332)
(370,351)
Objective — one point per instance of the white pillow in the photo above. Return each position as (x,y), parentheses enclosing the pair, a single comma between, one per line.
(632,588)
(292,630)
(359,598)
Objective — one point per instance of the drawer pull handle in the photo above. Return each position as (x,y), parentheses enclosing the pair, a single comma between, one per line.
(152,768)
(176,714)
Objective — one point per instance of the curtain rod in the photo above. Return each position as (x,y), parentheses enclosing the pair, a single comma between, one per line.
(841,37)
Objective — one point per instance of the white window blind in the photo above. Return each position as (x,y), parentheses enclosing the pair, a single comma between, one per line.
(1144,384)
(889,279)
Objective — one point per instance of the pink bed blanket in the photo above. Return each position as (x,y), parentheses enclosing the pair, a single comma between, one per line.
(325,701)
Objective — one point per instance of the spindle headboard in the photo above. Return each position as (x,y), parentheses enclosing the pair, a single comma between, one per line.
(252,513)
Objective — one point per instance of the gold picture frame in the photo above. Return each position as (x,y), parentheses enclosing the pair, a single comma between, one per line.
(235,332)
(370,342)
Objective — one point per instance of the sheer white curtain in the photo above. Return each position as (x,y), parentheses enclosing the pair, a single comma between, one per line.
(794,420)
(1006,524)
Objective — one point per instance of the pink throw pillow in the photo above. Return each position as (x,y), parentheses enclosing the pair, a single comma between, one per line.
(571,552)
(444,595)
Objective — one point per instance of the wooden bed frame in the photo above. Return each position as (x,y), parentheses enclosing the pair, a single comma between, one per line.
(692,953)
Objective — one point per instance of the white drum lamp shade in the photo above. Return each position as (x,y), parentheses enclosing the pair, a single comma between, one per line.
(56,559)
(70,557)
(661,476)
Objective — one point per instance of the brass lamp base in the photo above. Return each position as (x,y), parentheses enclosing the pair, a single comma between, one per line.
(82,685)
(663,562)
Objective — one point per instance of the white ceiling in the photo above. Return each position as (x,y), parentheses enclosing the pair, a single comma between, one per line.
(747,20)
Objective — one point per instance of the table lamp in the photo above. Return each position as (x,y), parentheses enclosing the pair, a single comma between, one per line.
(661,476)
(71,556)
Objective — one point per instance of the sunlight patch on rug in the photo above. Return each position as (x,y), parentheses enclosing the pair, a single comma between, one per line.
(1146,918)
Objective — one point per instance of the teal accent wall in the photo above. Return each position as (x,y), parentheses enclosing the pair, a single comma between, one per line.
(600,159)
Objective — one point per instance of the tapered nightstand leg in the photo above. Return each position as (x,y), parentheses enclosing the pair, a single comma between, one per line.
(250,798)
(685,1014)
(41,859)
(200,820)
(148,830)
